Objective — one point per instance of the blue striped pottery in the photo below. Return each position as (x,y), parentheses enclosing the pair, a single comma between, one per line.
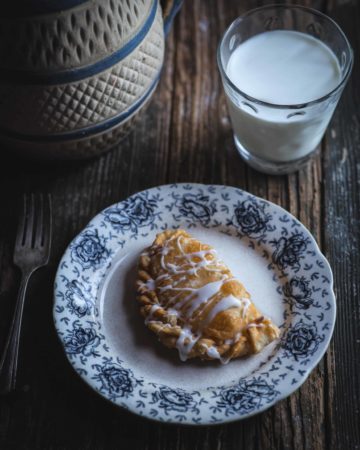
(75,74)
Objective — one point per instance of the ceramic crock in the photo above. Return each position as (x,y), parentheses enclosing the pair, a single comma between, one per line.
(75,74)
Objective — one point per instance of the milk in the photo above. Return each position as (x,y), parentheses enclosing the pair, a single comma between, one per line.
(282,68)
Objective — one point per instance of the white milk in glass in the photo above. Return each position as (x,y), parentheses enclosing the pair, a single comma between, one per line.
(283,68)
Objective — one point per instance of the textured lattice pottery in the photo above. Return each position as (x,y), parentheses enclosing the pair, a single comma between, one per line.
(75,74)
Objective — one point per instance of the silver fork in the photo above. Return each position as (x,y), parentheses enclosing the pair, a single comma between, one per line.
(32,250)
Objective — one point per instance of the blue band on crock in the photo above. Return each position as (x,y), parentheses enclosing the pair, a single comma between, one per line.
(169,19)
(68,76)
(83,132)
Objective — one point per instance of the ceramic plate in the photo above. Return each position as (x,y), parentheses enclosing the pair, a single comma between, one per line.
(98,322)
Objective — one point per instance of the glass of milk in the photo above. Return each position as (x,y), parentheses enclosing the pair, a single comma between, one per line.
(283,69)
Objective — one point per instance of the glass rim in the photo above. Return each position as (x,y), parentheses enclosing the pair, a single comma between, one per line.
(233,24)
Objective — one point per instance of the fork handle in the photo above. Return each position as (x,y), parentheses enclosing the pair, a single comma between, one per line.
(9,358)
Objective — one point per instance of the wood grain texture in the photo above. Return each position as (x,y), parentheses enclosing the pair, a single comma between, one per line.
(185,135)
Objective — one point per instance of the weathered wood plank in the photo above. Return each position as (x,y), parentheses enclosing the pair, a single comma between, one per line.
(186,136)
(341,240)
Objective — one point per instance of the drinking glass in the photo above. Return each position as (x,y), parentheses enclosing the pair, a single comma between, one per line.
(275,138)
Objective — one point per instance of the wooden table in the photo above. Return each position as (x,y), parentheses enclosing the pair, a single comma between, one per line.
(186,136)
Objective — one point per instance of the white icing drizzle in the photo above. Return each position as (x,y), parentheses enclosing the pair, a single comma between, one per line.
(199,254)
(200,296)
(150,284)
(246,304)
(169,287)
(173,312)
(163,276)
(224,360)
(224,304)
(179,245)
(185,348)
(196,298)
(255,325)
(213,353)
(164,252)
(233,341)
(194,266)
(150,316)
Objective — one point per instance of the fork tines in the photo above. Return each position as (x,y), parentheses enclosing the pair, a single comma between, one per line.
(34,229)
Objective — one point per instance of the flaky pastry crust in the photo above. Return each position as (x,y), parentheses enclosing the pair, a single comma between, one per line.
(191,301)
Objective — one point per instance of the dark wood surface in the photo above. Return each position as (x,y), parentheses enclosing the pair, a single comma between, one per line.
(186,136)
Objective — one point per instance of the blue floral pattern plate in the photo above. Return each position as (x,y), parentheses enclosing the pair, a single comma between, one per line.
(272,253)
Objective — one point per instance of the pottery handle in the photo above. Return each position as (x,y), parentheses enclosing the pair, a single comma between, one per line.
(170,9)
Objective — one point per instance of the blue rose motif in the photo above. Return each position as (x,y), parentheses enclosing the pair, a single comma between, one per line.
(174,399)
(78,302)
(239,400)
(81,341)
(89,250)
(302,340)
(116,380)
(130,214)
(289,250)
(251,218)
(246,396)
(298,290)
(196,206)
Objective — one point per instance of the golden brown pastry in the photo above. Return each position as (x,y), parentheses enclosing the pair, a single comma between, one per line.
(191,300)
